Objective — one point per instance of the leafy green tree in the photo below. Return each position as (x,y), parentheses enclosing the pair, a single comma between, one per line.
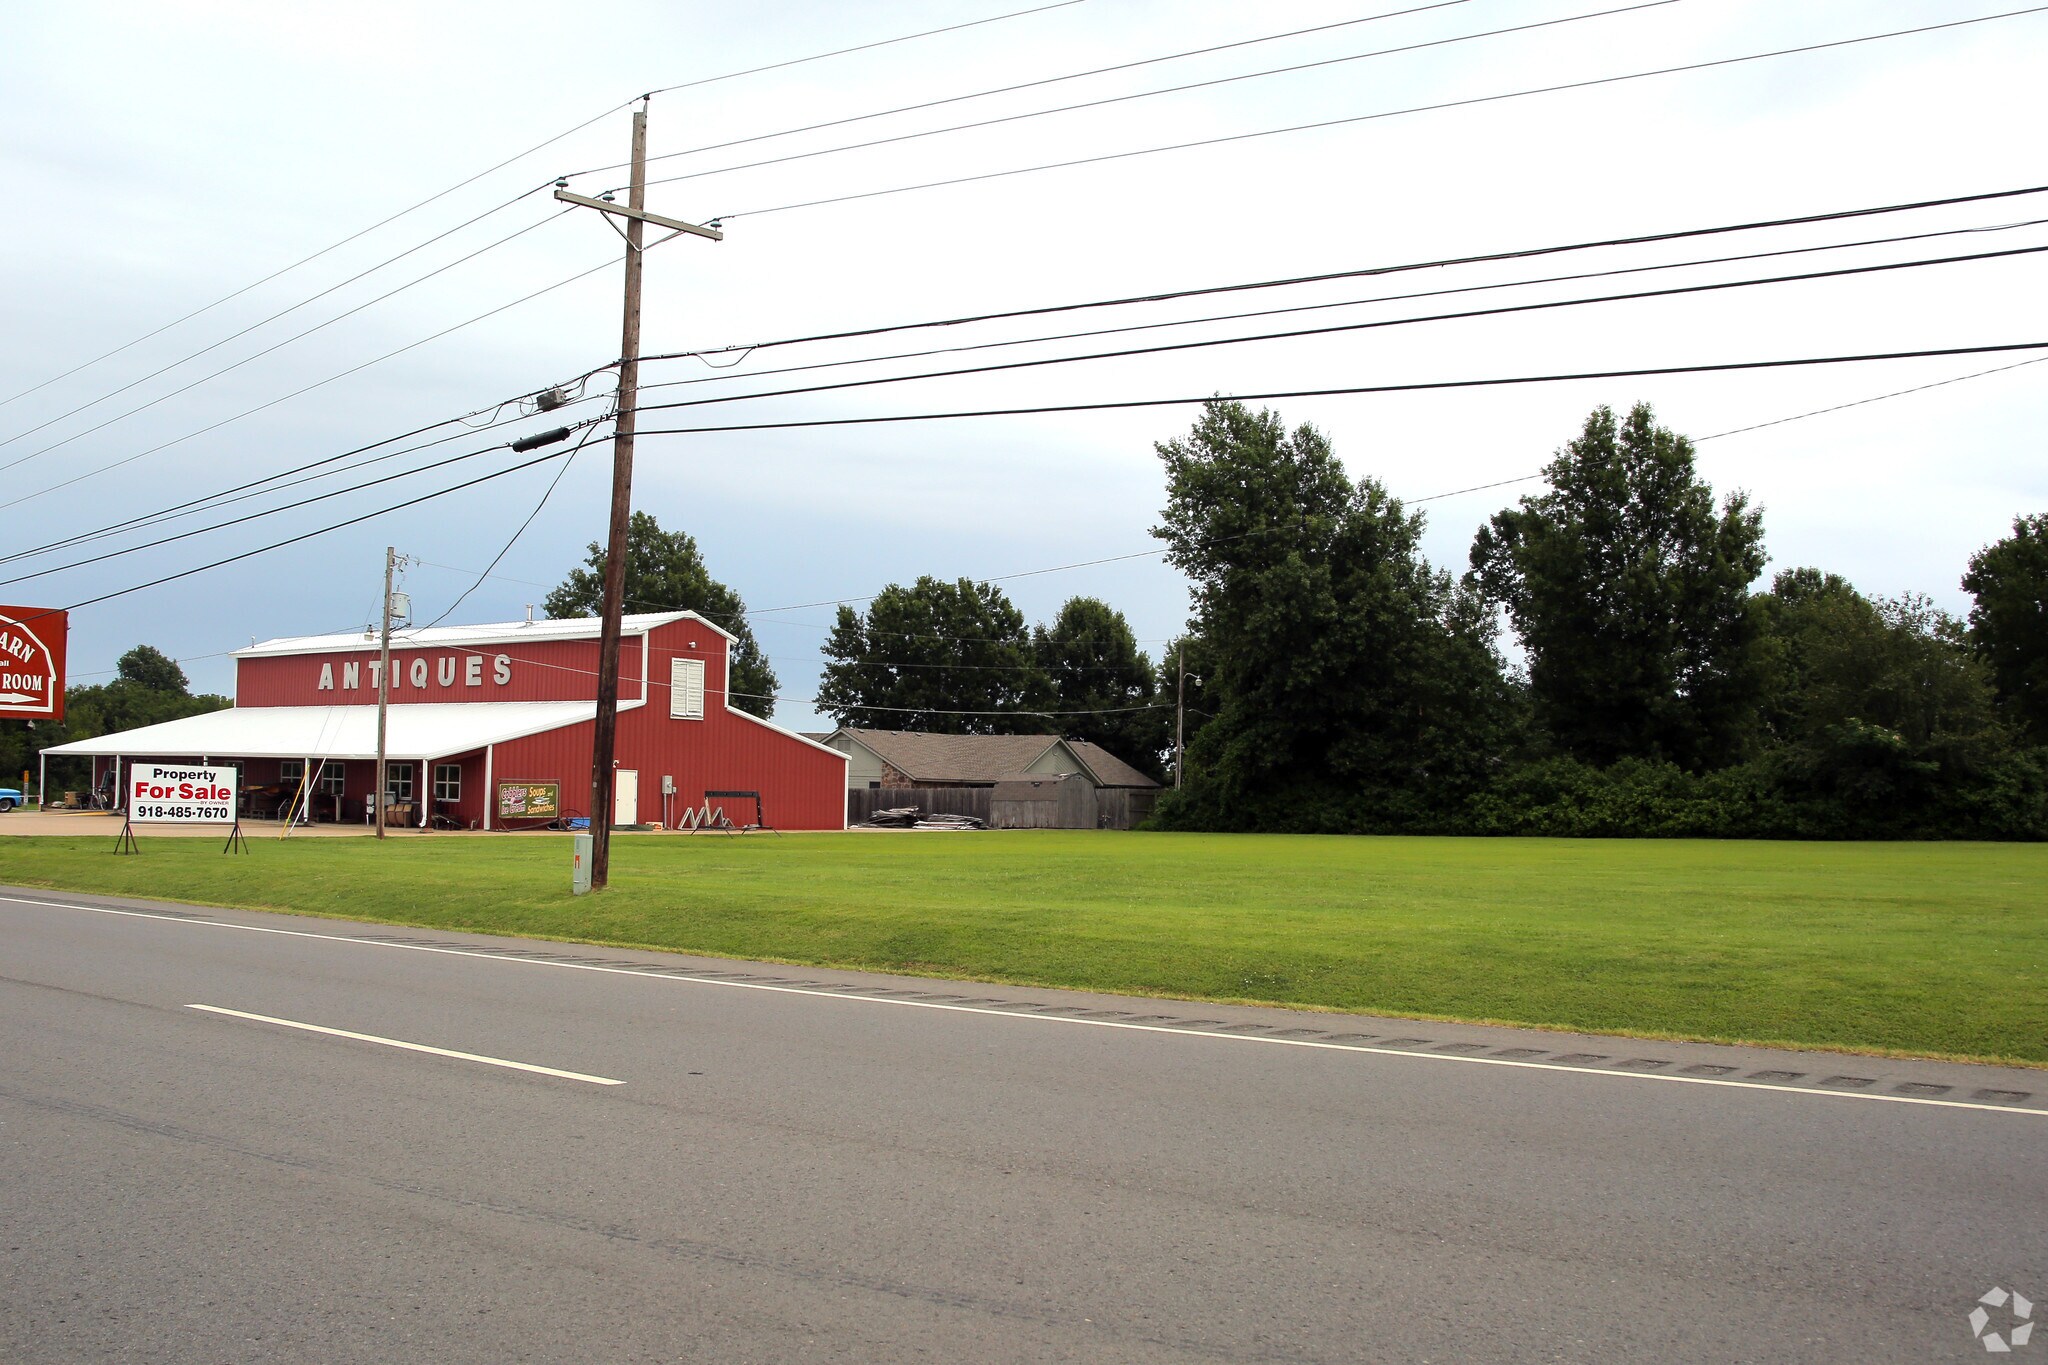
(19,741)
(1355,687)
(2009,621)
(1879,705)
(1630,594)
(947,658)
(148,688)
(147,666)
(1090,659)
(665,572)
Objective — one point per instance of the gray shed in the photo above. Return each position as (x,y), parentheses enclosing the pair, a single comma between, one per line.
(1049,801)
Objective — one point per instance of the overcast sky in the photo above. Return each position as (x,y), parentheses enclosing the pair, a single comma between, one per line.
(159,158)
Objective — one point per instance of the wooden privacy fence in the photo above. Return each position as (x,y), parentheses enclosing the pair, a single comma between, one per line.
(1115,807)
(930,800)
(1123,807)
(1051,802)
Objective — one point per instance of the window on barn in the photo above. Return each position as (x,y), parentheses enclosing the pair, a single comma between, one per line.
(291,771)
(447,781)
(333,778)
(686,689)
(398,781)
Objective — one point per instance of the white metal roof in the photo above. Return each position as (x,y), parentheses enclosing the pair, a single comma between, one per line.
(494,633)
(433,730)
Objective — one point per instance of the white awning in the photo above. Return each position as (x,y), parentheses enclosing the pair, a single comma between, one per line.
(411,731)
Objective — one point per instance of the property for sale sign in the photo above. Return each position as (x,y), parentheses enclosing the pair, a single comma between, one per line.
(163,793)
(32,663)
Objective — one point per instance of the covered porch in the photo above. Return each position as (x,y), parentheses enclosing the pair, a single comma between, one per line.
(318,764)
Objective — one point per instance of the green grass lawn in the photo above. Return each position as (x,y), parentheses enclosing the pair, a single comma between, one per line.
(1931,949)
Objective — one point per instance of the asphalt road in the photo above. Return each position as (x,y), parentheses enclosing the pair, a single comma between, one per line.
(798,1164)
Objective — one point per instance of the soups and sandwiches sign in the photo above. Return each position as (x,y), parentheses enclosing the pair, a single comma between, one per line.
(32,663)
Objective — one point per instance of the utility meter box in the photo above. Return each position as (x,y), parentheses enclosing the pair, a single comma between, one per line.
(579,873)
(668,785)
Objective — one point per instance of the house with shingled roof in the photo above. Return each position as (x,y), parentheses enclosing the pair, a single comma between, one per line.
(905,758)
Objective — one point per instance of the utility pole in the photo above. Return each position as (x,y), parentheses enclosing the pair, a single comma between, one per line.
(1180,708)
(384,683)
(603,741)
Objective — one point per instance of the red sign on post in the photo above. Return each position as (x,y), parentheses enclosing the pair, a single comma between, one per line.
(32,663)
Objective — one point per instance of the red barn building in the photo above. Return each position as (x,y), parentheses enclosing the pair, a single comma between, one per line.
(484,720)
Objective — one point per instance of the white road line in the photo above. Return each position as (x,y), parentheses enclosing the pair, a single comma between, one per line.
(1046,1018)
(409,1047)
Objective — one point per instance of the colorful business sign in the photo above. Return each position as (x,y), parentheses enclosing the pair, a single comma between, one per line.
(180,794)
(32,663)
(529,800)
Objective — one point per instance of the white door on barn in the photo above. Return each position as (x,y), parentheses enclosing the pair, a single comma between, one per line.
(626,796)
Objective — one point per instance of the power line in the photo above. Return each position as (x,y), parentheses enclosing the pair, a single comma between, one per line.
(181,660)
(833,602)
(1027,85)
(391,260)
(1156,553)
(1774,422)
(654,684)
(970,668)
(1875,398)
(274,511)
(937,711)
(657,684)
(1476,488)
(393,218)
(1434,497)
(548,492)
(274,346)
(1361,272)
(499,166)
(1409,502)
(1353,389)
(305,536)
(1164,90)
(1091,407)
(333,246)
(860,47)
(283,479)
(1341,303)
(487,171)
(640,603)
(995,578)
(1383,114)
(1370,325)
(353,369)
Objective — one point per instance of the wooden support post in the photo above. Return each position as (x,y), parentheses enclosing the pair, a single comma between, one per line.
(384,683)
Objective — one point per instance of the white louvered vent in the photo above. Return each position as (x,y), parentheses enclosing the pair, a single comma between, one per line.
(686,689)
